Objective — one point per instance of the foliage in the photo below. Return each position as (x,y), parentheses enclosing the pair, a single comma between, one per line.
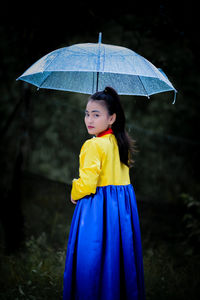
(35,273)
(191,223)
(167,275)
(36,270)
(57,141)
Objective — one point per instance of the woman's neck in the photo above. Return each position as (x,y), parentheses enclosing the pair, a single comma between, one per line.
(107,131)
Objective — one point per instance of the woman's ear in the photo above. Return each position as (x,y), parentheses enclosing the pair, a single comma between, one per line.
(112,119)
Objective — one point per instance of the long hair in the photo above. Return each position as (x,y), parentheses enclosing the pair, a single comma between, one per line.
(112,102)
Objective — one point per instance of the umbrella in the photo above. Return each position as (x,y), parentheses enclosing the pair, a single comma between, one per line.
(89,67)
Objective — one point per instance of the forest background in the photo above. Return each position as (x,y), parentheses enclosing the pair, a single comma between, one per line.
(42,133)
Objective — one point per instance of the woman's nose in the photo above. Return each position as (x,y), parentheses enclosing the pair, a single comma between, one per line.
(90,120)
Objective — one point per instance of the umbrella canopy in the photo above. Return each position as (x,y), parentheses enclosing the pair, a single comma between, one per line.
(89,67)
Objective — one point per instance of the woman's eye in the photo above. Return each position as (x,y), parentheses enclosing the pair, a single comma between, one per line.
(96,115)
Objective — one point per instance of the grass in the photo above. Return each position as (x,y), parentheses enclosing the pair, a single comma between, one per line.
(36,272)
(168,277)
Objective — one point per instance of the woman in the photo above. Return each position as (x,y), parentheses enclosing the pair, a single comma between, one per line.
(104,254)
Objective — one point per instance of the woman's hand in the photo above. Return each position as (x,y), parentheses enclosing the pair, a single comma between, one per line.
(74,202)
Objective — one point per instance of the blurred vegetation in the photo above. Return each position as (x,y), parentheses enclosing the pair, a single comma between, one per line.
(191,224)
(36,271)
(42,133)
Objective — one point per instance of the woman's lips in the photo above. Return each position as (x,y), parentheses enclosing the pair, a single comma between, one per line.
(90,127)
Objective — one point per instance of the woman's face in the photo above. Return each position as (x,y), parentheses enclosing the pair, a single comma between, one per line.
(97,118)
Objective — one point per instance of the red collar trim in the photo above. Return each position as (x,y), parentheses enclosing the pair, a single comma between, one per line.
(108,131)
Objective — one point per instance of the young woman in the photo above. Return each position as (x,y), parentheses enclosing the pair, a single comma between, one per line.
(104,254)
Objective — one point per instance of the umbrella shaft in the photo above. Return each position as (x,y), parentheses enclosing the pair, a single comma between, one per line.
(97,82)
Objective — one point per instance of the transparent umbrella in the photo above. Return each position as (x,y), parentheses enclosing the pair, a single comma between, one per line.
(88,67)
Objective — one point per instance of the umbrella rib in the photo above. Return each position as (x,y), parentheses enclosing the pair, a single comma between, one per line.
(143,87)
(59,53)
(83,51)
(44,81)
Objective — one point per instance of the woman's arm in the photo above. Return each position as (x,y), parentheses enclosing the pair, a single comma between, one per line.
(89,170)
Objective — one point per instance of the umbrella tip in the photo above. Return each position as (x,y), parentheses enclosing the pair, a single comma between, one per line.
(175,92)
(100,37)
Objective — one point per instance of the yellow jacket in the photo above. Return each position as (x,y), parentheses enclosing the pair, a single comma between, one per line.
(99,165)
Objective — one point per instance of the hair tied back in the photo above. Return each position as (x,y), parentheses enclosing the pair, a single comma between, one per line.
(112,101)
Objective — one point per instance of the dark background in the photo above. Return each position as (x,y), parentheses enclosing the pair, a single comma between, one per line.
(42,132)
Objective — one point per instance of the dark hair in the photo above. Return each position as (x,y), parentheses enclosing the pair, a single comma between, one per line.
(112,101)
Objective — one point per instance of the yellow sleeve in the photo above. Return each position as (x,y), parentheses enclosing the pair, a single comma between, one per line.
(89,170)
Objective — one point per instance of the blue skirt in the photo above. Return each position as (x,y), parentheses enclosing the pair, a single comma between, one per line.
(104,252)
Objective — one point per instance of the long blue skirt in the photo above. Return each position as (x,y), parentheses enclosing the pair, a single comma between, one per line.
(104,253)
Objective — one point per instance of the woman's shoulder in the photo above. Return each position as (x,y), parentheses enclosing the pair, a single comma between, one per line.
(95,143)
